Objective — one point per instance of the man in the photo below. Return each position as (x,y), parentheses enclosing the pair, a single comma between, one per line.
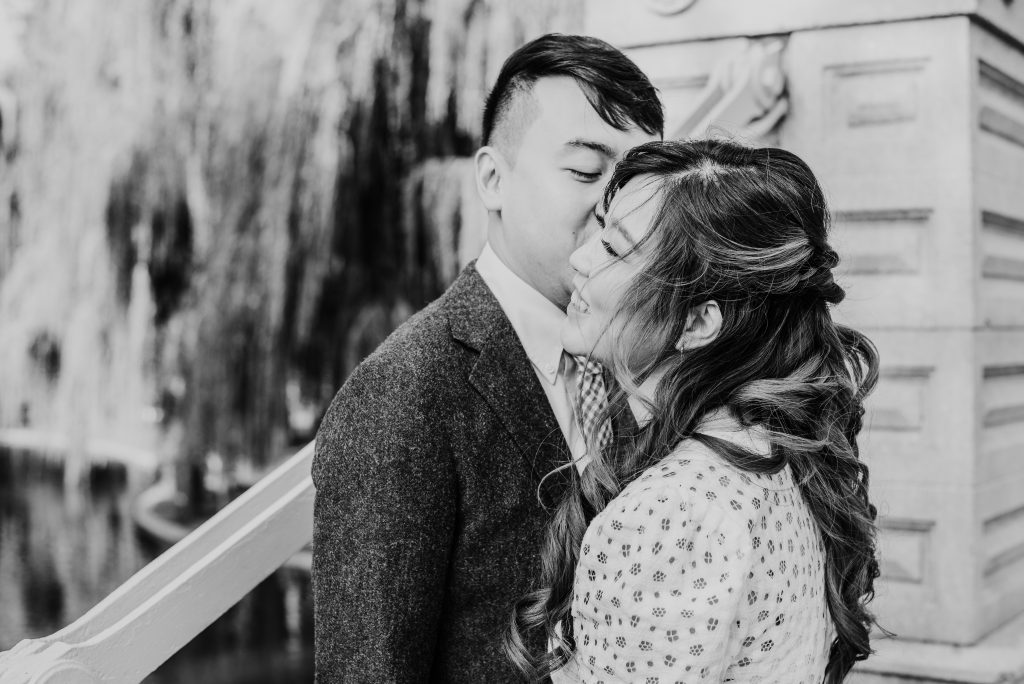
(429,461)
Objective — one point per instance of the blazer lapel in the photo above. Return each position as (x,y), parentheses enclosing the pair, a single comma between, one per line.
(506,381)
(503,374)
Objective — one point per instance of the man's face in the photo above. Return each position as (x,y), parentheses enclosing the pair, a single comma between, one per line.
(555,180)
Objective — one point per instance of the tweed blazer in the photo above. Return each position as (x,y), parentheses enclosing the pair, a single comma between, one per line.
(427,523)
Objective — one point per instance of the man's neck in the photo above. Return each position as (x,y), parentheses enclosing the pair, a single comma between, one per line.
(496,239)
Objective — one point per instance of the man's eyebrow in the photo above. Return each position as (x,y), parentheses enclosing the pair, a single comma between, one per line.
(600,148)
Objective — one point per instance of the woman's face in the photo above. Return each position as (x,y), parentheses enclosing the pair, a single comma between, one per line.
(606,266)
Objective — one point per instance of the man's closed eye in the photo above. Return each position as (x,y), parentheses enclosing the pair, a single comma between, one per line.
(585,176)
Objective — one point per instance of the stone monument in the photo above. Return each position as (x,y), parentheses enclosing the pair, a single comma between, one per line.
(912,115)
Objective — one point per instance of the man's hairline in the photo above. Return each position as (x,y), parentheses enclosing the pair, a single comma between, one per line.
(526,89)
(501,121)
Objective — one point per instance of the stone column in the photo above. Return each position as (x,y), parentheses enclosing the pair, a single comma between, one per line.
(912,115)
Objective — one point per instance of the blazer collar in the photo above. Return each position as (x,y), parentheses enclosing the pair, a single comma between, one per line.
(472,310)
(503,375)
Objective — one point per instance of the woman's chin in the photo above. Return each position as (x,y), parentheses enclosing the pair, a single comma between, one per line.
(577,346)
(573,342)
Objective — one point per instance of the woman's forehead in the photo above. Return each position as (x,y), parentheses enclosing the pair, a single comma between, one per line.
(636,204)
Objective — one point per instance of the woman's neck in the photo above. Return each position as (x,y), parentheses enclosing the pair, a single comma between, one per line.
(642,397)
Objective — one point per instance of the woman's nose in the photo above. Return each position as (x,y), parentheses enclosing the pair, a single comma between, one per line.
(580,259)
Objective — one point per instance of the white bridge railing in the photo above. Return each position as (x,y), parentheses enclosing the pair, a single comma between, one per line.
(166,604)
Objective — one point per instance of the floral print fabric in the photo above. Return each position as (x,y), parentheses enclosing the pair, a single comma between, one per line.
(699,572)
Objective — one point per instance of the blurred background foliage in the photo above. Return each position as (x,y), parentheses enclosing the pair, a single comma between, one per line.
(210,212)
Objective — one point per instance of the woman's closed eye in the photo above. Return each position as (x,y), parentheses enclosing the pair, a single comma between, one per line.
(604,243)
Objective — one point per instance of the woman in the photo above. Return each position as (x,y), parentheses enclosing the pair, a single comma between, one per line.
(730,539)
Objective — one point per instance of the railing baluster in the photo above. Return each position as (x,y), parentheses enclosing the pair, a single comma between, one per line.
(163,606)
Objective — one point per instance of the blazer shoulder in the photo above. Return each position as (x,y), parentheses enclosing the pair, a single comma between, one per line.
(433,343)
(416,351)
(420,369)
(388,405)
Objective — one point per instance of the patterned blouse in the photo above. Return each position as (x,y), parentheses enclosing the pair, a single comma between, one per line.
(700,572)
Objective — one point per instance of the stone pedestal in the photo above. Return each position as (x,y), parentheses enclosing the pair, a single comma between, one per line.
(912,115)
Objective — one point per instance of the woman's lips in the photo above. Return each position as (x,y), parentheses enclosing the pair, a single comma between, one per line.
(578,303)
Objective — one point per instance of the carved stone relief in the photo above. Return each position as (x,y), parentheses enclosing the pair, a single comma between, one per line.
(667,7)
(745,95)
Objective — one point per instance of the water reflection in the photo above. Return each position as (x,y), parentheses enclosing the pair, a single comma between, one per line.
(61,554)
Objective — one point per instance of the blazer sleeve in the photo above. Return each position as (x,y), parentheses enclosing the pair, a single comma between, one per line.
(658,603)
(384,516)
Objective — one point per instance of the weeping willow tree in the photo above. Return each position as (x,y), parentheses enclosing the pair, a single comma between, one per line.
(211,211)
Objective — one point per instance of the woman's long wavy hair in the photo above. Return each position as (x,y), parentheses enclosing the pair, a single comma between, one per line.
(746,228)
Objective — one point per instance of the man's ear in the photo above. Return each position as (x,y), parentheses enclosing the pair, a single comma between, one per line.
(490,168)
(703,323)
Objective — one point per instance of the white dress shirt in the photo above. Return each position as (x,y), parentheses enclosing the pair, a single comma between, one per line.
(538,323)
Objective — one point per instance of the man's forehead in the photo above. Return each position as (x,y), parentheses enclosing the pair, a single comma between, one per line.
(566,118)
(560,98)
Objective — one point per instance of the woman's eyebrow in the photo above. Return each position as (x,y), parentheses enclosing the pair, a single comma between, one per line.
(616,226)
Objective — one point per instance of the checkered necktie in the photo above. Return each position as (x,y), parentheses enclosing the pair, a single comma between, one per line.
(593,399)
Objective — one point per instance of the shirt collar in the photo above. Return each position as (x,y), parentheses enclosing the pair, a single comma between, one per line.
(535,319)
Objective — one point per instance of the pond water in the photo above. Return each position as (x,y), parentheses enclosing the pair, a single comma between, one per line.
(60,554)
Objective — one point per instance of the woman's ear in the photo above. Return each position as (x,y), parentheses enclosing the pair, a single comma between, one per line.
(703,323)
(489,169)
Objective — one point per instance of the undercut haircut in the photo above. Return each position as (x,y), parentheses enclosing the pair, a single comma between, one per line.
(613,84)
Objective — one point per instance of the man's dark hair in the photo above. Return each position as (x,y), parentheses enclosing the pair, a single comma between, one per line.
(615,87)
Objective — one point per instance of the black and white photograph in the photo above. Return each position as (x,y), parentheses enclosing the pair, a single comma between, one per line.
(525,341)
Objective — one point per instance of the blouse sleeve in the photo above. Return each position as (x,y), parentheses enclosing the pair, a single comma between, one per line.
(657,598)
